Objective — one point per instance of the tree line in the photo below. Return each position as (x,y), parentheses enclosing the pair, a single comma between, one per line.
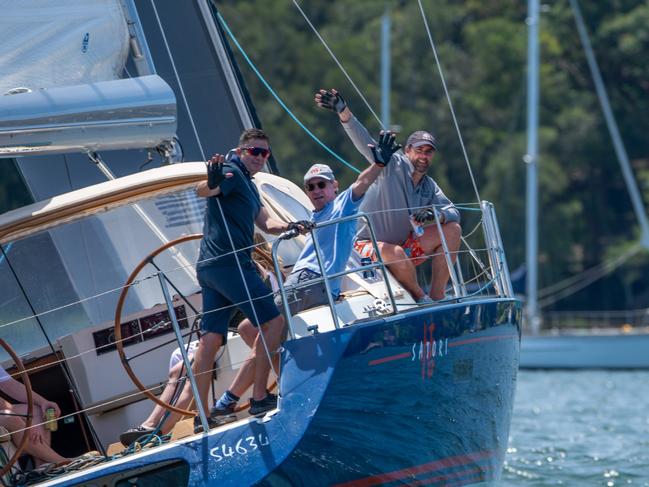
(585,214)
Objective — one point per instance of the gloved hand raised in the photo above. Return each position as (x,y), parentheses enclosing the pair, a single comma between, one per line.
(215,174)
(425,215)
(382,152)
(330,100)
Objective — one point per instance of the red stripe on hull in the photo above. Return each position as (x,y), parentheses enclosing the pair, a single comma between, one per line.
(417,470)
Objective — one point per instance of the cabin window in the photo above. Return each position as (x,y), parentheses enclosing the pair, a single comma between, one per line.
(71,275)
(172,473)
(13,192)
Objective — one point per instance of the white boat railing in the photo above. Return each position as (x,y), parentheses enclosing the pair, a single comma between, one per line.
(496,273)
(327,277)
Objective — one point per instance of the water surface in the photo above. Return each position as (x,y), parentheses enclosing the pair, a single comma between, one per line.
(582,428)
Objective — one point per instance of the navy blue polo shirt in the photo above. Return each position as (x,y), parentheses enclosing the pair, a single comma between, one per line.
(240,203)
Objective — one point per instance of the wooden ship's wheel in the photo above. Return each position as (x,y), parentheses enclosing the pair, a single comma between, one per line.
(118,321)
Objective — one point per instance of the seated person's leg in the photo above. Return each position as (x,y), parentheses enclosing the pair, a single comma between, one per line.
(432,245)
(158,413)
(38,445)
(247,331)
(303,298)
(398,262)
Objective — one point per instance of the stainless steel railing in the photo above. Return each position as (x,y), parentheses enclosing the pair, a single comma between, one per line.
(325,278)
(495,271)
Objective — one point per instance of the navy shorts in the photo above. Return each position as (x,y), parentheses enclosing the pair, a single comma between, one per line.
(224,291)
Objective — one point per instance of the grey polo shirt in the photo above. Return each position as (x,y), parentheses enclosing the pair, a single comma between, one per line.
(388,200)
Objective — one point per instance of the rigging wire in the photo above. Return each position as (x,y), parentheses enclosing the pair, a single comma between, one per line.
(180,84)
(606,269)
(277,97)
(573,284)
(448,99)
(333,56)
(39,322)
(575,279)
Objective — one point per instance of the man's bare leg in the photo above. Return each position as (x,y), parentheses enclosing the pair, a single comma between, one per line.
(246,374)
(432,245)
(273,331)
(401,268)
(167,395)
(38,448)
(204,356)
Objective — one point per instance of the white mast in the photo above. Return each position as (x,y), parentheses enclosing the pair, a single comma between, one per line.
(532,311)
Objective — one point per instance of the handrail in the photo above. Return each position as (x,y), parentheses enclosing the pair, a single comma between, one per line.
(491,268)
(495,249)
(324,277)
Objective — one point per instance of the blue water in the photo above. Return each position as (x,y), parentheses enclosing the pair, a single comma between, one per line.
(587,428)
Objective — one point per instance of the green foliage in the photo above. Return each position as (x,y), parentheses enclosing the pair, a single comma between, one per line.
(584,209)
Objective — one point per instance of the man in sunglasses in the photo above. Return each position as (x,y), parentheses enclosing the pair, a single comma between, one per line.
(226,272)
(400,204)
(334,240)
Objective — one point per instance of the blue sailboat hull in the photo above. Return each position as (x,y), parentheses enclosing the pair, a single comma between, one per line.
(424,398)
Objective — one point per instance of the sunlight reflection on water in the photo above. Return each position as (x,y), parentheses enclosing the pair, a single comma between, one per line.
(579,428)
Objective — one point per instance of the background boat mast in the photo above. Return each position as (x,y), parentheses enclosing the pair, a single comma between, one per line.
(530,158)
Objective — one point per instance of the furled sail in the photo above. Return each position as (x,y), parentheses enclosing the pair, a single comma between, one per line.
(67,42)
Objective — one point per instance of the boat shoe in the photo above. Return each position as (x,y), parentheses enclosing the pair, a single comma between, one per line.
(224,414)
(257,408)
(130,436)
(212,422)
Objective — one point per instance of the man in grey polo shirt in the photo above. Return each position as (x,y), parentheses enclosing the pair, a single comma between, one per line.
(402,198)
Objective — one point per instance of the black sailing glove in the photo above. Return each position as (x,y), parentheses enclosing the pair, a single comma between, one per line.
(301,226)
(215,174)
(330,100)
(425,215)
(382,152)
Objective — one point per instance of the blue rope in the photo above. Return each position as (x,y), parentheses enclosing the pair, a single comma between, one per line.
(276,96)
(6,251)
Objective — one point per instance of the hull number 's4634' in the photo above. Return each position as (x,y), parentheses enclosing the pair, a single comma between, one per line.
(242,447)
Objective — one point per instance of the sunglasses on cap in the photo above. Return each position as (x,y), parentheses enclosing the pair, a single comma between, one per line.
(320,184)
(257,151)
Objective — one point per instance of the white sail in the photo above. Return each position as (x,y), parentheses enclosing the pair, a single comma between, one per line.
(67,42)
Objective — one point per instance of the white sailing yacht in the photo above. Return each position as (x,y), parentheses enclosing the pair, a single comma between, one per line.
(624,347)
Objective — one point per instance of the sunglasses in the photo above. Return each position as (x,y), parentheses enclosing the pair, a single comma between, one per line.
(319,184)
(257,151)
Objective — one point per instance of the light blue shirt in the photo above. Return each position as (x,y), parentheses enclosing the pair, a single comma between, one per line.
(335,240)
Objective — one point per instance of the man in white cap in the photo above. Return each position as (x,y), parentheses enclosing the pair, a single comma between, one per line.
(334,240)
(403,198)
